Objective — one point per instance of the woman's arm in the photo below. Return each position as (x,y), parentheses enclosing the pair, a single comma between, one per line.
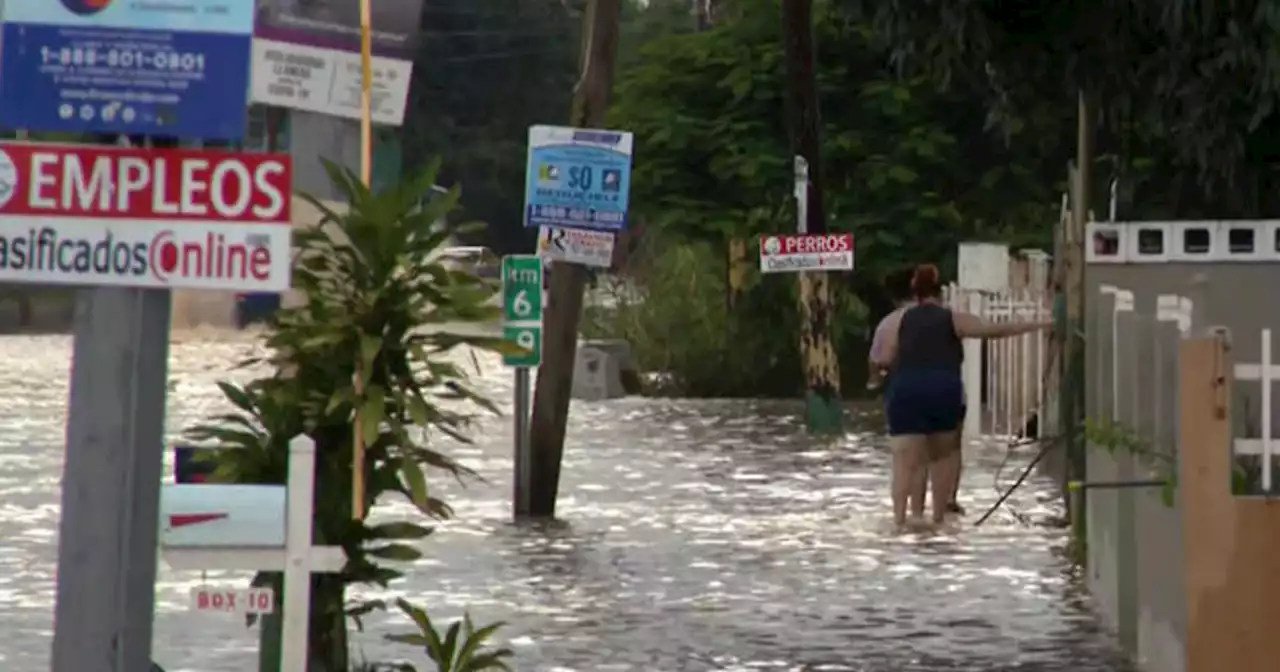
(888,353)
(968,325)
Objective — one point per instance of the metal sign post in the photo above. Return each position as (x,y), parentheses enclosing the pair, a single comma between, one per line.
(522,325)
(802,194)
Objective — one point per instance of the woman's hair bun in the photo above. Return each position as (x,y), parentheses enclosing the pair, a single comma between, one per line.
(924,282)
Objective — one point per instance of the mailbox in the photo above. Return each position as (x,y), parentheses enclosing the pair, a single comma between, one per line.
(222,516)
(188,468)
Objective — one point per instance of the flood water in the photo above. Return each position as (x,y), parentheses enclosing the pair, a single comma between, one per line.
(698,536)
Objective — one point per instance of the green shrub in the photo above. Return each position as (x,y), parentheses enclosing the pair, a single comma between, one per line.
(674,312)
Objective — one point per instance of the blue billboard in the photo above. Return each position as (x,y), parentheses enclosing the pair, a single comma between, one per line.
(176,68)
(578,178)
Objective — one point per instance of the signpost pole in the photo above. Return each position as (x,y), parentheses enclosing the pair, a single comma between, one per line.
(522,326)
(111,481)
(521,485)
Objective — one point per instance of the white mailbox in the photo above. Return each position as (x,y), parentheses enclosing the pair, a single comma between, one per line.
(200,515)
(258,527)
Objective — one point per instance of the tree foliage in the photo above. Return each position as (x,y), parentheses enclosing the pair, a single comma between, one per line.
(909,170)
(371,338)
(487,71)
(1185,91)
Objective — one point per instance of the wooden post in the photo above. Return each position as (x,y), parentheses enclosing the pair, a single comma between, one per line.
(568,281)
(822,368)
(1071,396)
(366,175)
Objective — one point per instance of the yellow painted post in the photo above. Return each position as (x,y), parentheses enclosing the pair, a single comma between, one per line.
(366,172)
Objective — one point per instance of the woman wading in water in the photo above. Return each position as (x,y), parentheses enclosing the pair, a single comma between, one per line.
(924,401)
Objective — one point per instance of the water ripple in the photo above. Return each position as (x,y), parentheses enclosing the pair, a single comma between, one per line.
(702,535)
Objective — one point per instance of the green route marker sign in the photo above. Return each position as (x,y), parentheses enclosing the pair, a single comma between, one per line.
(522,307)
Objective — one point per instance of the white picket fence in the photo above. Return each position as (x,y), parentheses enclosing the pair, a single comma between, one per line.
(1007,381)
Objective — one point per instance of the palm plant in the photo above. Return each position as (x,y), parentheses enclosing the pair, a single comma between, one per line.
(369,348)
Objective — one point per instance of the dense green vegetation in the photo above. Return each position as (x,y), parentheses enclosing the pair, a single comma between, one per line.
(910,168)
(367,357)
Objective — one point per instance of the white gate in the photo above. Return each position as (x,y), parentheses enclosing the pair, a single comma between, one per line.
(1007,380)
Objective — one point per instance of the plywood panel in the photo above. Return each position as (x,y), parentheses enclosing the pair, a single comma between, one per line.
(1232,545)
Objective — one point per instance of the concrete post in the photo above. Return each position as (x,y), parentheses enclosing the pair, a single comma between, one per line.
(111,481)
(313,137)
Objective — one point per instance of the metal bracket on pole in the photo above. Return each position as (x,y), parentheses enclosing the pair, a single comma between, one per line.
(802,194)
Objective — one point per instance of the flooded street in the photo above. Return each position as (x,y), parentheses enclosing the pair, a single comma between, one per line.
(704,535)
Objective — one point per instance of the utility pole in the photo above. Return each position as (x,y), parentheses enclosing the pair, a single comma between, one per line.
(821,366)
(568,281)
(107,537)
(1071,394)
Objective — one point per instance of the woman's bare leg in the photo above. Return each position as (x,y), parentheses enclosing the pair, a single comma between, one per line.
(954,499)
(907,460)
(944,472)
(919,488)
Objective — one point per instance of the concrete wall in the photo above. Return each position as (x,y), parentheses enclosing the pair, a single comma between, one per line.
(1141,555)
(1134,540)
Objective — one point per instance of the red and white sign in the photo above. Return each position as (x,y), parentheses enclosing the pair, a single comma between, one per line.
(135,217)
(576,246)
(806,252)
(230,601)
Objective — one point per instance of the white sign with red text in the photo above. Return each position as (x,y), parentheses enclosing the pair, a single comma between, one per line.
(806,252)
(137,217)
(576,246)
(233,601)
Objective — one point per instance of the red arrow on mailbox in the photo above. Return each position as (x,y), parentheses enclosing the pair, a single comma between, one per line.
(185,519)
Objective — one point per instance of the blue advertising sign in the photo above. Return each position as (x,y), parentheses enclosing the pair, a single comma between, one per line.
(178,68)
(578,178)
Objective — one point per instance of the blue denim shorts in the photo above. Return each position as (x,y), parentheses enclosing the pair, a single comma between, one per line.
(924,402)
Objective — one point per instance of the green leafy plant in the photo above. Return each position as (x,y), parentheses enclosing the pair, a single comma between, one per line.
(461,648)
(376,335)
(1116,437)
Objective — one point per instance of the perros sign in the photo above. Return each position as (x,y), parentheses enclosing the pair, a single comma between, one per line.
(135,217)
(806,252)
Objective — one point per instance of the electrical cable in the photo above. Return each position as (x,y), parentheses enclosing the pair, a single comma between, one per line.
(1044,450)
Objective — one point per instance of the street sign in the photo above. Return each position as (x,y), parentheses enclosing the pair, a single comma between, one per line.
(578,178)
(529,338)
(791,253)
(164,68)
(576,246)
(139,217)
(522,307)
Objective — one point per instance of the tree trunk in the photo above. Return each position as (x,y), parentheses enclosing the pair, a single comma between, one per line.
(550,415)
(737,272)
(327,648)
(822,369)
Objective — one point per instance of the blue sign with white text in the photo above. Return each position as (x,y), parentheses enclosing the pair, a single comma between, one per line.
(177,68)
(578,178)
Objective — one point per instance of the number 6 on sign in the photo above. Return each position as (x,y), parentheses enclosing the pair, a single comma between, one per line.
(521,306)
(522,289)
